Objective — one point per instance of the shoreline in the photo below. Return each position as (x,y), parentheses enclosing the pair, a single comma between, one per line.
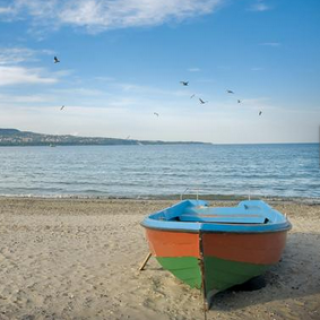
(176,198)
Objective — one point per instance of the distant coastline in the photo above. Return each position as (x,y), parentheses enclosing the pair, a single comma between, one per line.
(17,138)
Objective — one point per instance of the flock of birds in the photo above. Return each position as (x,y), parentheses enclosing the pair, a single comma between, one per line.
(184,83)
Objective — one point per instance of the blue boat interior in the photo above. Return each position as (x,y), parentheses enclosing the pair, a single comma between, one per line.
(244,213)
(198,215)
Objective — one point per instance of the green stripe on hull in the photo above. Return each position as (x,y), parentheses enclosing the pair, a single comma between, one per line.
(222,274)
(186,269)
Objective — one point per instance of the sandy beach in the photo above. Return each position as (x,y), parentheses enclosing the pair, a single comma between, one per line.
(78,259)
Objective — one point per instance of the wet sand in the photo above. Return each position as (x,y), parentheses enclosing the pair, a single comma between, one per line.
(78,259)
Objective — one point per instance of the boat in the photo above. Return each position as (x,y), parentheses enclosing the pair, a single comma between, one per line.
(216,248)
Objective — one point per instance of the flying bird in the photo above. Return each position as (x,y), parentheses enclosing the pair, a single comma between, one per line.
(184,83)
(230,91)
(62,108)
(128,137)
(157,114)
(260,113)
(239,101)
(202,102)
(56,60)
(192,96)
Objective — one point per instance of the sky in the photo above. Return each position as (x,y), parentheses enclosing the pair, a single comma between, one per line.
(121,63)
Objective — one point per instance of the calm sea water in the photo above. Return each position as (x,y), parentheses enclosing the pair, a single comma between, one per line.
(149,171)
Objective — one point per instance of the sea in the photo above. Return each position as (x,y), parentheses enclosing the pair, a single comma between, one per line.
(160,171)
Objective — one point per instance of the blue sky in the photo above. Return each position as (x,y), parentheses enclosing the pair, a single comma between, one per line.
(123,60)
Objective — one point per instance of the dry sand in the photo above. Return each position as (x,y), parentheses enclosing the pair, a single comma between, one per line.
(78,259)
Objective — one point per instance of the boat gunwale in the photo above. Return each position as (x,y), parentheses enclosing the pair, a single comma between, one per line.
(289,227)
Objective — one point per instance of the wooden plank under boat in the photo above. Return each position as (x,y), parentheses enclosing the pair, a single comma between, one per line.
(216,248)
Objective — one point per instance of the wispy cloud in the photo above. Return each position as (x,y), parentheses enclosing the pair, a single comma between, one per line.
(12,75)
(257,103)
(259,6)
(99,15)
(194,69)
(23,99)
(16,55)
(13,71)
(105,79)
(146,90)
(5,10)
(79,91)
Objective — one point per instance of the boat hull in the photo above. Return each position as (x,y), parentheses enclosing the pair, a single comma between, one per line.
(178,252)
(215,261)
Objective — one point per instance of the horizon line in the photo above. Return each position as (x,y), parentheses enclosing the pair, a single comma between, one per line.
(172,141)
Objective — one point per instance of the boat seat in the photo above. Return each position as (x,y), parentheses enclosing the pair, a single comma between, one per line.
(228,219)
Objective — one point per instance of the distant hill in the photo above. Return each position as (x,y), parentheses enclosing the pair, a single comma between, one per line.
(14,137)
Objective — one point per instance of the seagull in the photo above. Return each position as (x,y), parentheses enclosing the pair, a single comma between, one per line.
(239,101)
(62,108)
(184,83)
(128,137)
(230,91)
(202,102)
(260,113)
(192,96)
(157,114)
(56,60)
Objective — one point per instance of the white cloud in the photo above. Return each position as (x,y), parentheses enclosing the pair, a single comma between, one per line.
(36,8)
(99,15)
(194,69)
(5,10)
(18,75)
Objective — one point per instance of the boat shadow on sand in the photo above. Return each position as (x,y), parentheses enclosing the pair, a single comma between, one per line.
(297,275)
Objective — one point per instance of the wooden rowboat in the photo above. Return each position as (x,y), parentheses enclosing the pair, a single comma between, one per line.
(214,249)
